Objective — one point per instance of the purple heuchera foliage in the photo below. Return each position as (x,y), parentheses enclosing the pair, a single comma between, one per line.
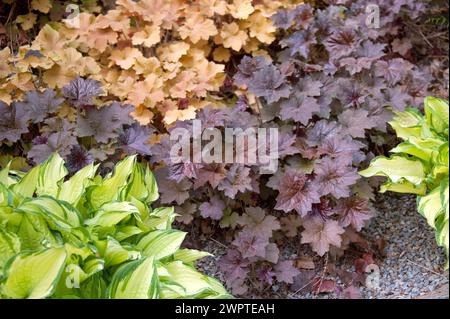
(39,105)
(111,130)
(78,158)
(134,140)
(327,92)
(81,91)
(13,121)
(104,123)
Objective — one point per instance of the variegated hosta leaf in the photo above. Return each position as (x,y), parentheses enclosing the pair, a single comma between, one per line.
(407,123)
(442,235)
(404,187)
(34,233)
(437,113)
(72,189)
(160,218)
(444,193)
(51,172)
(396,169)
(27,185)
(184,282)
(111,214)
(135,280)
(150,181)
(59,214)
(5,178)
(425,149)
(190,255)
(34,275)
(430,206)
(115,254)
(110,188)
(9,246)
(161,243)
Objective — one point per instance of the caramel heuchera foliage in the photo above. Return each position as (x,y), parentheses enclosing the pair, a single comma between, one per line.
(162,56)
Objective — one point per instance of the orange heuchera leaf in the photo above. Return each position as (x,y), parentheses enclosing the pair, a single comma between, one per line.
(182,115)
(233,37)
(142,115)
(125,58)
(5,68)
(173,52)
(116,48)
(27,21)
(48,40)
(43,6)
(148,37)
(241,9)
(197,28)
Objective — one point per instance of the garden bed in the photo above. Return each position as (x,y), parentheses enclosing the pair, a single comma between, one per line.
(339,85)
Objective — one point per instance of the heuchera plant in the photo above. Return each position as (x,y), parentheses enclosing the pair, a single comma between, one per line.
(419,164)
(166,57)
(327,91)
(93,237)
(74,123)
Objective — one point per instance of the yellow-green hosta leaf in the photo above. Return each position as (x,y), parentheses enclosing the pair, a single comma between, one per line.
(444,194)
(161,243)
(82,252)
(430,206)
(34,232)
(144,209)
(442,235)
(441,161)
(407,123)
(5,179)
(125,232)
(114,254)
(110,188)
(72,189)
(5,196)
(404,187)
(137,187)
(411,149)
(34,275)
(94,287)
(190,255)
(135,280)
(188,282)
(150,182)
(27,185)
(58,214)
(160,218)
(437,113)
(425,149)
(51,172)
(110,214)
(396,169)
(9,245)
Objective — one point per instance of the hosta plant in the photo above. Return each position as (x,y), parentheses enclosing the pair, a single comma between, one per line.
(419,164)
(90,236)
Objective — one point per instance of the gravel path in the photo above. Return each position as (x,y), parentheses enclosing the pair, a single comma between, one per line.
(412,266)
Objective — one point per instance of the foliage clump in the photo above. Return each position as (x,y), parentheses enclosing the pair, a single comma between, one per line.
(164,57)
(92,237)
(329,89)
